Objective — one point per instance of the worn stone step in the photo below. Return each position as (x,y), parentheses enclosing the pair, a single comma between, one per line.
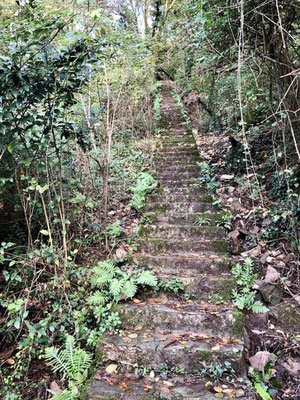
(192,175)
(186,207)
(177,197)
(178,183)
(186,147)
(174,218)
(163,166)
(193,263)
(170,139)
(141,386)
(179,246)
(188,231)
(195,190)
(176,157)
(205,287)
(174,348)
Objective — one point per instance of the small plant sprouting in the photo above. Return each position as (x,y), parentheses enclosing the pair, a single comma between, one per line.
(144,185)
(174,285)
(226,220)
(244,296)
(202,221)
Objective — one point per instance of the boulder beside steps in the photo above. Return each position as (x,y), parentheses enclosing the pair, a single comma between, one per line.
(166,342)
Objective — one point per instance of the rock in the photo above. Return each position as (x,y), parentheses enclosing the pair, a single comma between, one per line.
(275,253)
(272,275)
(291,365)
(235,206)
(270,260)
(263,258)
(281,257)
(254,252)
(231,190)
(239,393)
(280,264)
(260,359)
(121,253)
(226,177)
(271,294)
(290,257)
(288,316)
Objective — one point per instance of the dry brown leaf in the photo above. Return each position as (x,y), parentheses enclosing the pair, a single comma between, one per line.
(55,388)
(127,339)
(216,347)
(272,275)
(111,368)
(167,383)
(10,361)
(183,341)
(260,359)
(133,336)
(218,389)
(165,389)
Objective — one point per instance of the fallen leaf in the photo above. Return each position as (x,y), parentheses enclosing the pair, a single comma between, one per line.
(216,348)
(152,374)
(133,335)
(167,383)
(55,388)
(260,359)
(10,361)
(272,275)
(136,300)
(183,341)
(111,368)
(229,392)
(127,339)
(121,253)
(165,389)
(218,389)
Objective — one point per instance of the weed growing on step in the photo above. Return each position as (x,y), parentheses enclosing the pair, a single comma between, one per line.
(244,296)
(145,184)
(175,285)
(202,221)
(226,221)
(263,382)
(164,369)
(183,111)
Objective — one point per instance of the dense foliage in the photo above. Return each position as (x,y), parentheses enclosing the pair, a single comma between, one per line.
(78,107)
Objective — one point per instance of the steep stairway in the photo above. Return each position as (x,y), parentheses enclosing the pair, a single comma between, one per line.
(166,342)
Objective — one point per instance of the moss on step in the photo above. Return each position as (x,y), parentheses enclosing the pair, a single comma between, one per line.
(224,289)
(238,325)
(288,316)
(220,246)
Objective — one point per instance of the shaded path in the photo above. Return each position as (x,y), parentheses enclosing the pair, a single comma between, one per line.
(165,337)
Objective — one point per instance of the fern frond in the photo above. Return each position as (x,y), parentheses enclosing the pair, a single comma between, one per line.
(116,286)
(101,276)
(130,288)
(98,298)
(258,307)
(147,278)
(56,359)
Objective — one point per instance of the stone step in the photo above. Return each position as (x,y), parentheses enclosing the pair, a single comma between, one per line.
(178,183)
(174,348)
(172,197)
(179,208)
(179,157)
(193,263)
(138,387)
(178,175)
(163,166)
(186,147)
(205,287)
(179,246)
(170,139)
(196,190)
(173,218)
(177,231)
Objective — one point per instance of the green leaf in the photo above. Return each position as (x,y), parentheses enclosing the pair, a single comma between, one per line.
(263,394)
(44,232)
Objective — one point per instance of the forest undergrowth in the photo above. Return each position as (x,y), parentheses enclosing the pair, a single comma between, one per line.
(79,110)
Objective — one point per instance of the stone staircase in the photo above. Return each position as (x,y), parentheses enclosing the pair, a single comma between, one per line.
(167,341)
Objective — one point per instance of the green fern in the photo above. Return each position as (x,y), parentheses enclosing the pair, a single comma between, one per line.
(73,363)
(98,298)
(244,297)
(147,278)
(116,287)
(130,288)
